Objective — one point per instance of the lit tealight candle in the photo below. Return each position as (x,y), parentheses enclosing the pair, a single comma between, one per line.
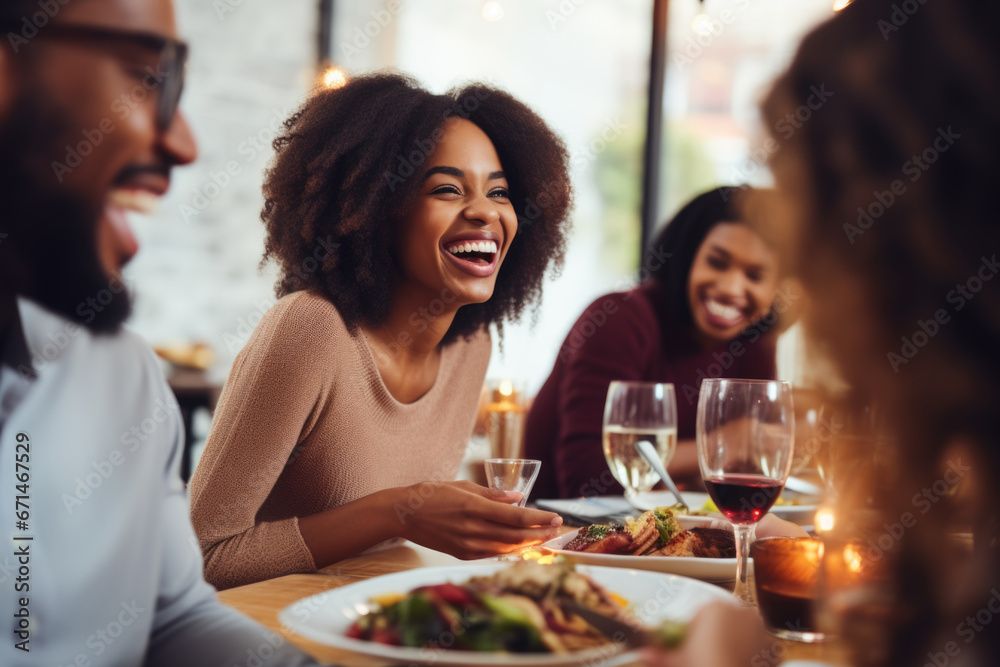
(824,520)
(506,422)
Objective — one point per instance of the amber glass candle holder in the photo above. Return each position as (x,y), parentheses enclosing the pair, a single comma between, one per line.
(787,578)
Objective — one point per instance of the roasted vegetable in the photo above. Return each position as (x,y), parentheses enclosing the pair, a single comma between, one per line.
(666,523)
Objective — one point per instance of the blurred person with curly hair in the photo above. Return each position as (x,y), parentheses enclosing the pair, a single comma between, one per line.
(888,208)
(404,224)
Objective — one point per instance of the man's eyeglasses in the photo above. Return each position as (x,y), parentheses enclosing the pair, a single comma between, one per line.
(170,70)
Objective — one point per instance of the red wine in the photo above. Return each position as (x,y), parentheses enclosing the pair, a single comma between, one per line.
(744,499)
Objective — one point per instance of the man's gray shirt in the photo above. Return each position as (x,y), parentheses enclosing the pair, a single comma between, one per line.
(112,574)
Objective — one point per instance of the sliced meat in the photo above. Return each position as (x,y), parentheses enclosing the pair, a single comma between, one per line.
(610,541)
(700,543)
(644,534)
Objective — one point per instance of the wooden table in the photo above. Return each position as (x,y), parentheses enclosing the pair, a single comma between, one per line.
(262,602)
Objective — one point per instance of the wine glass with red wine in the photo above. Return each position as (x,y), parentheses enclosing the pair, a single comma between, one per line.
(745,439)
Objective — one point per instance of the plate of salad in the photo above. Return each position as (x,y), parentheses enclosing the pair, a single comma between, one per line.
(498,613)
(790,506)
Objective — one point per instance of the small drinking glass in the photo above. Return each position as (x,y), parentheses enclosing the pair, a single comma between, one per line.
(633,412)
(513,475)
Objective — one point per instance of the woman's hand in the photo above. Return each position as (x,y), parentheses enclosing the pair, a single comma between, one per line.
(470,521)
(768,526)
(772,526)
(721,634)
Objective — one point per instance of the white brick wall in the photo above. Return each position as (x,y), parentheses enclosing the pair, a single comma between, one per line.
(196,278)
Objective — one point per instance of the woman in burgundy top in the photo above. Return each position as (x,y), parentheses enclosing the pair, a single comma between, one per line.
(707,309)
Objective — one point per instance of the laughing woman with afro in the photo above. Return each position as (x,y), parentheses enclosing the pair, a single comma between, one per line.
(398,220)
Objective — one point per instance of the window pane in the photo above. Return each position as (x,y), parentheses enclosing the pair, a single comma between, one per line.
(717,71)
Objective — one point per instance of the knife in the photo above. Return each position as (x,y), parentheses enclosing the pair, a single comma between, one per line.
(630,635)
(800,485)
(646,450)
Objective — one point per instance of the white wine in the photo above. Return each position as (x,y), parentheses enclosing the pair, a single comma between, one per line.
(627,464)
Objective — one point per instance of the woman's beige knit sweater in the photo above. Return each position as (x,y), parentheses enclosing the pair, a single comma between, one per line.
(305,424)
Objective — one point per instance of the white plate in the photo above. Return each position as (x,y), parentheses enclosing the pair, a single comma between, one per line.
(706,569)
(325,617)
(800,514)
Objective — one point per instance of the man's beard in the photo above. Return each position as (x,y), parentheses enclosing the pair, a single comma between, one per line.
(48,235)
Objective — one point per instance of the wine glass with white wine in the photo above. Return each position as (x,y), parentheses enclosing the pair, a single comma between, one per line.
(633,412)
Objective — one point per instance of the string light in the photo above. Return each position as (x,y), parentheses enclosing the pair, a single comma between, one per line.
(334,77)
(702,25)
(493,11)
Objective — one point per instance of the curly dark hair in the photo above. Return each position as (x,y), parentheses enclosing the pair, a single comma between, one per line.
(348,165)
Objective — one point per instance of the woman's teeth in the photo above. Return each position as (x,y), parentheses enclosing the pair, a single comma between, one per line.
(717,309)
(473,246)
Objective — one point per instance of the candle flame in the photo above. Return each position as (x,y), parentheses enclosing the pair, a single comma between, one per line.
(542,558)
(852,559)
(506,388)
(824,521)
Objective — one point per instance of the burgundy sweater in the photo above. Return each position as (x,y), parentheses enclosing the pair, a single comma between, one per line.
(623,336)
